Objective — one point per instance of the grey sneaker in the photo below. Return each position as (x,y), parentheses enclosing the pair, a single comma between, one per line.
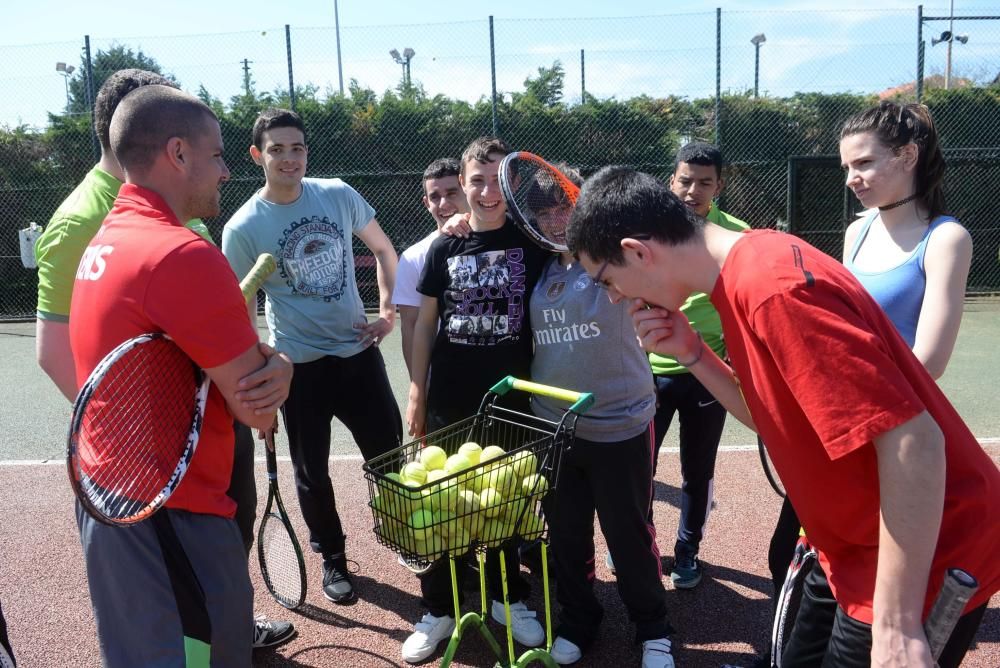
(687,572)
(565,652)
(656,654)
(269,632)
(337,584)
(427,634)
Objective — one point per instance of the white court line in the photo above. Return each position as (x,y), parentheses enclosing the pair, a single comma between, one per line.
(357,458)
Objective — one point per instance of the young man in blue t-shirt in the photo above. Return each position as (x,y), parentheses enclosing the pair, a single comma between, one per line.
(315,316)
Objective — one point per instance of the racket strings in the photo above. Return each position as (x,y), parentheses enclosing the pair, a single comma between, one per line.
(542,197)
(279,557)
(136,425)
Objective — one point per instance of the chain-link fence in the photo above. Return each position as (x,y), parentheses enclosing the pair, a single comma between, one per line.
(771,88)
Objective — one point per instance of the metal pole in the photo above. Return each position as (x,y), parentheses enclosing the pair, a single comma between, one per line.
(951,38)
(340,68)
(718,76)
(920,52)
(493,74)
(95,145)
(756,68)
(288,51)
(583,79)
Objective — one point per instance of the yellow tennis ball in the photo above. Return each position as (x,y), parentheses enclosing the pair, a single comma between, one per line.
(421,519)
(535,484)
(445,522)
(491,452)
(458,541)
(524,464)
(433,457)
(471,450)
(495,532)
(491,501)
(416,472)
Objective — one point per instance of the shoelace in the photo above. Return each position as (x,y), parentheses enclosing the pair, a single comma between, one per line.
(659,646)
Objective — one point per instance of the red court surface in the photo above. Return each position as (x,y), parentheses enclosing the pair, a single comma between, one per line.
(724,620)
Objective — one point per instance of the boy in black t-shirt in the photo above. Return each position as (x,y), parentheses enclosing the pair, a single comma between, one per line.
(472,330)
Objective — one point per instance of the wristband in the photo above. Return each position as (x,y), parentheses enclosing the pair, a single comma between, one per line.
(697,357)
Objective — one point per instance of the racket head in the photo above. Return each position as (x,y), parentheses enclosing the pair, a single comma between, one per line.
(135,429)
(282,565)
(539,196)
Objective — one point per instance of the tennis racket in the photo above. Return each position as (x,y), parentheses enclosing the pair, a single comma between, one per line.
(789,598)
(769,472)
(540,197)
(136,423)
(281,561)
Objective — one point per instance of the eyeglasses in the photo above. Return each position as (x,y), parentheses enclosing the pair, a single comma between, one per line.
(598,279)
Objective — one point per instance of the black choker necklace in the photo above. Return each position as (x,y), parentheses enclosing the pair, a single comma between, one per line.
(899,203)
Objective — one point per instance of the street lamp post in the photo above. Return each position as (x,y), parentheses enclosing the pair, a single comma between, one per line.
(404,60)
(757,40)
(66,71)
(949,36)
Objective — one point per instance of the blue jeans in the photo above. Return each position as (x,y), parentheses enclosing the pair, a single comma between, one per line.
(701,418)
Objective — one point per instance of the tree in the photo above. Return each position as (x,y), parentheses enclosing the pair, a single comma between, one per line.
(106,63)
(547,87)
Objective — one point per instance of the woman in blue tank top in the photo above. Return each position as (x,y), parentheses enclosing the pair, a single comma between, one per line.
(908,254)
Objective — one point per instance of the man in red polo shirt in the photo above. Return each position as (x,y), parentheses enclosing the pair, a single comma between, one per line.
(145,272)
(890,484)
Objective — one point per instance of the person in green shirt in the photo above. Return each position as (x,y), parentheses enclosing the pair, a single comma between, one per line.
(58,251)
(697,181)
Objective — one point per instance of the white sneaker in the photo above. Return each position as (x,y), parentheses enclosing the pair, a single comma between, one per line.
(428,632)
(527,630)
(565,652)
(656,654)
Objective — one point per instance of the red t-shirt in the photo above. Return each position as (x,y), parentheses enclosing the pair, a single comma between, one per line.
(824,371)
(145,272)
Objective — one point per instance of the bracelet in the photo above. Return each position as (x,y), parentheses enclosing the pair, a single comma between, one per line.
(697,357)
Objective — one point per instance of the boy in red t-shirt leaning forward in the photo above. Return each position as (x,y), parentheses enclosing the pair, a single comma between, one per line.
(890,484)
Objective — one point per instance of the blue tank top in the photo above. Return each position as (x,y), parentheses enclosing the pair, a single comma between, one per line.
(899,290)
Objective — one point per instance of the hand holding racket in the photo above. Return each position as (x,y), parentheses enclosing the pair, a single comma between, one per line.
(136,423)
(281,563)
(540,197)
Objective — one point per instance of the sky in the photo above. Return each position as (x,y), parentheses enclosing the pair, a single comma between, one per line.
(637,47)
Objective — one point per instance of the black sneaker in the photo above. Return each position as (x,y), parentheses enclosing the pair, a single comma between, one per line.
(269,632)
(687,572)
(337,584)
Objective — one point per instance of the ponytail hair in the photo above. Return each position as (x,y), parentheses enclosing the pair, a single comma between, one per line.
(896,126)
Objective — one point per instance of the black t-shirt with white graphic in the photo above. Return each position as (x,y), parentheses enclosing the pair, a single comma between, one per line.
(483,286)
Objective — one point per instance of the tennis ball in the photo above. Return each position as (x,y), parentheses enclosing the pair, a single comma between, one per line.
(471,450)
(524,464)
(534,484)
(415,471)
(433,457)
(467,503)
(456,463)
(442,496)
(445,522)
(491,452)
(512,510)
(421,519)
(491,501)
(501,478)
(430,548)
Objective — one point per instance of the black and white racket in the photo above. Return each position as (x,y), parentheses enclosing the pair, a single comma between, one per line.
(136,423)
(539,196)
(281,561)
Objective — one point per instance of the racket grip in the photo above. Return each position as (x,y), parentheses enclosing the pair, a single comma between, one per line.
(956,590)
(262,268)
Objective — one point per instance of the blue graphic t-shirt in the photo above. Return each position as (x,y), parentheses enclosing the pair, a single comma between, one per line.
(483,287)
(312,299)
